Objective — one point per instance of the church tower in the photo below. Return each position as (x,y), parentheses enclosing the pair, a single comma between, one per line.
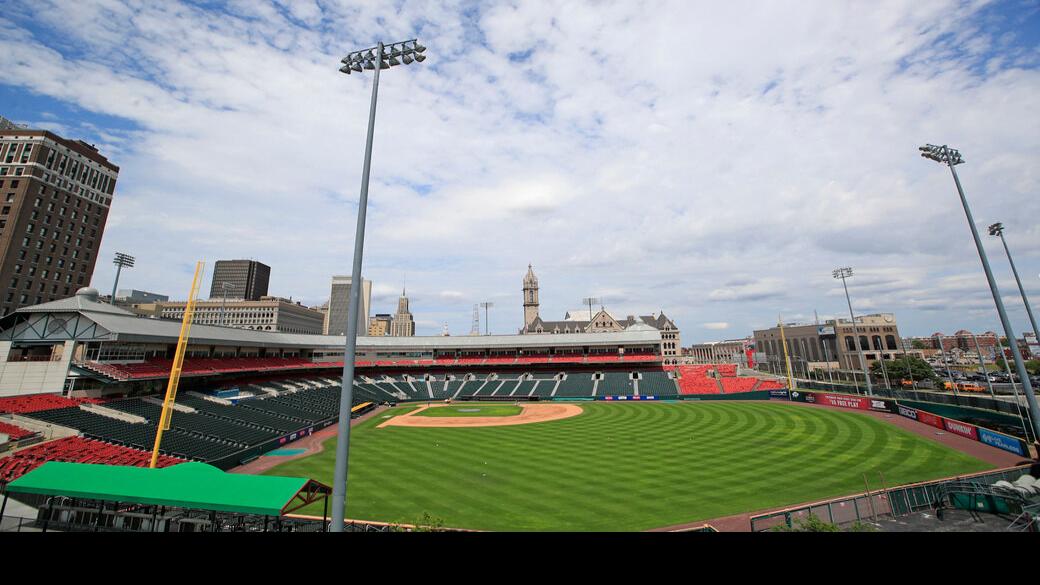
(530,296)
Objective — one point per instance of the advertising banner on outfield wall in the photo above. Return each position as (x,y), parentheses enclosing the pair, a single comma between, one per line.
(640,397)
(778,393)
(1001,441)
(961,428)
(991,438)
(858,402)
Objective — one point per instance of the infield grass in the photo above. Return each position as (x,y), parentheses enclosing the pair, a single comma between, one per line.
(472,410)
(625,466)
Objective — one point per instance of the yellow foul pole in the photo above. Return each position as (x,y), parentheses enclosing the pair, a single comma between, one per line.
(787,358)
(178,364)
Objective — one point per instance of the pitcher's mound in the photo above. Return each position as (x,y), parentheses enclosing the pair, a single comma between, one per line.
(531,413)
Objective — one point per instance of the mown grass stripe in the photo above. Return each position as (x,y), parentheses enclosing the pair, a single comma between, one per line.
(625,466)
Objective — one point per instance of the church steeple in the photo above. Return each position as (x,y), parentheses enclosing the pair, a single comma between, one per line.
(530,296)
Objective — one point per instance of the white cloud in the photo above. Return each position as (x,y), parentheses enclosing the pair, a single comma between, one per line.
(715,326)
(713,161)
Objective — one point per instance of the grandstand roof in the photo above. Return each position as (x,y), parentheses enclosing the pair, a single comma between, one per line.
(121,325)
(189,485)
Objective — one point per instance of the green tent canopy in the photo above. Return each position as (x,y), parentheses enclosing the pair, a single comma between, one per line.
(187,485)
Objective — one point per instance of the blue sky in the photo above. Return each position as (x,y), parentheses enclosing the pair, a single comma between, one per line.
(714,161)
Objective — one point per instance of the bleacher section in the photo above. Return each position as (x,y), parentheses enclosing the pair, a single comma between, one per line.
(198,424)
(15,433)
(154,368)
(731,385)
(197,367)
(34,402)
(576,384)
(615,384)
(215,432)
(694,380)
(75,450)
(657,384)
(137,435)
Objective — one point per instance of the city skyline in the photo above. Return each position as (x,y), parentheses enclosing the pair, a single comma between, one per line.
(772,212)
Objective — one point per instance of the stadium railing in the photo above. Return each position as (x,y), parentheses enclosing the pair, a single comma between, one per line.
(896,501)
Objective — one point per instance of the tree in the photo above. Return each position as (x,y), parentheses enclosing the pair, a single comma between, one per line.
(905,367)
(814,524)
(918,344)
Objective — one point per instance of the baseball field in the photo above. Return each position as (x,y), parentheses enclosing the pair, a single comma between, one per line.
(617,466)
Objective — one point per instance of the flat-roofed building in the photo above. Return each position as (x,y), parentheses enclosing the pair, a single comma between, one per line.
(339,306)
(266,314)
(832,343)
(240,279)
(380,325)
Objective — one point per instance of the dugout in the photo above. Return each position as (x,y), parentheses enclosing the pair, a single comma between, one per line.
(190,497)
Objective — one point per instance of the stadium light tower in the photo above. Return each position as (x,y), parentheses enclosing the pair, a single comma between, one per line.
(590,301)
(375,59)
(951,158)
(997,229)
(225,286)
(843,273)
(121,261)
(486,305)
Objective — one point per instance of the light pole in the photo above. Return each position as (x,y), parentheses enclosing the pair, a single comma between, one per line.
(590,301)
(881,355)
(225,286)
(121,261)
(997,229)
(951,157)
(376,59)
(487,326)
(909,369)
(985,372)
(946,363)
(843,273)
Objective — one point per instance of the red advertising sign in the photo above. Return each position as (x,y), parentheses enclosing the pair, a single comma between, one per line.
(842,401)
(963,429)
(930,419)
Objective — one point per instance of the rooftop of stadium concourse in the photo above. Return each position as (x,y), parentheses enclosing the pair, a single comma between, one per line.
(84,318)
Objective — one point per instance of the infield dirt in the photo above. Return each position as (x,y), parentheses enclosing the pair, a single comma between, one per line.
(531,413)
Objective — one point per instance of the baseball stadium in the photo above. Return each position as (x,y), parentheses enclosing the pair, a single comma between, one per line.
(561,432)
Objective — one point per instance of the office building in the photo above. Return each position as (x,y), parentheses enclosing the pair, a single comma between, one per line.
(339,304)
(55,196)
(244,279)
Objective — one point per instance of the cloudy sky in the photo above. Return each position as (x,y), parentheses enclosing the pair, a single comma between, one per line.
(714,160)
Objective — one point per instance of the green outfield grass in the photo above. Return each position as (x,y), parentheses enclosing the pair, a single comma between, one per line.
(472,409)
(625,466)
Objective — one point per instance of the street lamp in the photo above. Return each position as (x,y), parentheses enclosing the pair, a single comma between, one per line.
(225,286)
(843,273)
(121,260)
(997,229)
(951,158)
(375,59)
(486,305)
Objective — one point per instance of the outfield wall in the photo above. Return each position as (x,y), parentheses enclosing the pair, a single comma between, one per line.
(983,435)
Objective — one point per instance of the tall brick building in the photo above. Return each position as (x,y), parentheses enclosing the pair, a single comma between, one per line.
(55,195)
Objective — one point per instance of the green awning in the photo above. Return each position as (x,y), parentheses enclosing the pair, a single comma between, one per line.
(187,485)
